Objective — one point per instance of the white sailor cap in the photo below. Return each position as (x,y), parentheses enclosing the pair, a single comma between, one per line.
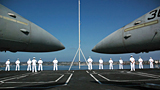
(34,57)
(131,55)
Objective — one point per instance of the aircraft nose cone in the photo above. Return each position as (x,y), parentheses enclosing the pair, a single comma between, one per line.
(53,43)
(94,49)
(112,44)
(42,41)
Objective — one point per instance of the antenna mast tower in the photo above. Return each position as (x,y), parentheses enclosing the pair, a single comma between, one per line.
(79,49)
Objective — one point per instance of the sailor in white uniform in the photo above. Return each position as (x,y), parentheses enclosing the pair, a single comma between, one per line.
(17,65)
(132,60)
(90,63)
(111,64)
(29,65)
(34,61)
(100,63)
(55,62)
(156,64)
(151,62)
(140,60)
(120,63)
(40,67)
(7,65)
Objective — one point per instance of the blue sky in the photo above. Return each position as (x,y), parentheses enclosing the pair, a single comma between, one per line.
(99,18)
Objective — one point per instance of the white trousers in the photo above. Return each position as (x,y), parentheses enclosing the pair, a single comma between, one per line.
(34,69)
(100,66)
(132,66)
(151,65)
(89,66)
(111,66)
(7,67)
(120,66)
(156,66)
(17,67)
(140,66)
(29,67)
(55,67)
(40,67)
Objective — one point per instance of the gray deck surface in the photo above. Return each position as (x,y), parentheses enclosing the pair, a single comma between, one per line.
(145,79)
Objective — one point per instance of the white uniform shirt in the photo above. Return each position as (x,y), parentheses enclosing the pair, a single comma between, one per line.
(151,60)
(29,62)
(55,61)
(140,60)
(132,60)
(40,61)
(121,61)
(90,60)
(110,61)
(7,62)
(101,61)
(17,62)
(34,62)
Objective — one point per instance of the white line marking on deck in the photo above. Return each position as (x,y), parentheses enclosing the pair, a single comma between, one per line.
(14,76)
(149,74)
(59,78)
(68,79)
(135,80)
(144,74)
(17,77)
(104,77)
(39,82)
(95,79)
(94,72)
(127,80)
(87,72)
(31,82)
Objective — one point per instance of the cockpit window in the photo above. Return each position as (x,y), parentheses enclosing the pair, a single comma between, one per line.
(12,15)
(138,22)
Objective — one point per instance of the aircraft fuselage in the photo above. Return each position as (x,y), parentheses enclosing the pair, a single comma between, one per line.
(141,35)
(19,34)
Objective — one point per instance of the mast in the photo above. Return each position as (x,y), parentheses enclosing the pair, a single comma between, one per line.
(79,33)
(79,48)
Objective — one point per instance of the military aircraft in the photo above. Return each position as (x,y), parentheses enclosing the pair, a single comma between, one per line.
(19,34)
(141,35)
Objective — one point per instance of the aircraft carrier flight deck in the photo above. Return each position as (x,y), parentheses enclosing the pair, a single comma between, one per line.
(82,80)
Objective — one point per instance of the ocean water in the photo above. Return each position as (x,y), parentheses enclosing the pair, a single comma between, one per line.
(12,68)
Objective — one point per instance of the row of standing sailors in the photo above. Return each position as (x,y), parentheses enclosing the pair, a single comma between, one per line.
(33,62)
(132,63)
(132,60)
